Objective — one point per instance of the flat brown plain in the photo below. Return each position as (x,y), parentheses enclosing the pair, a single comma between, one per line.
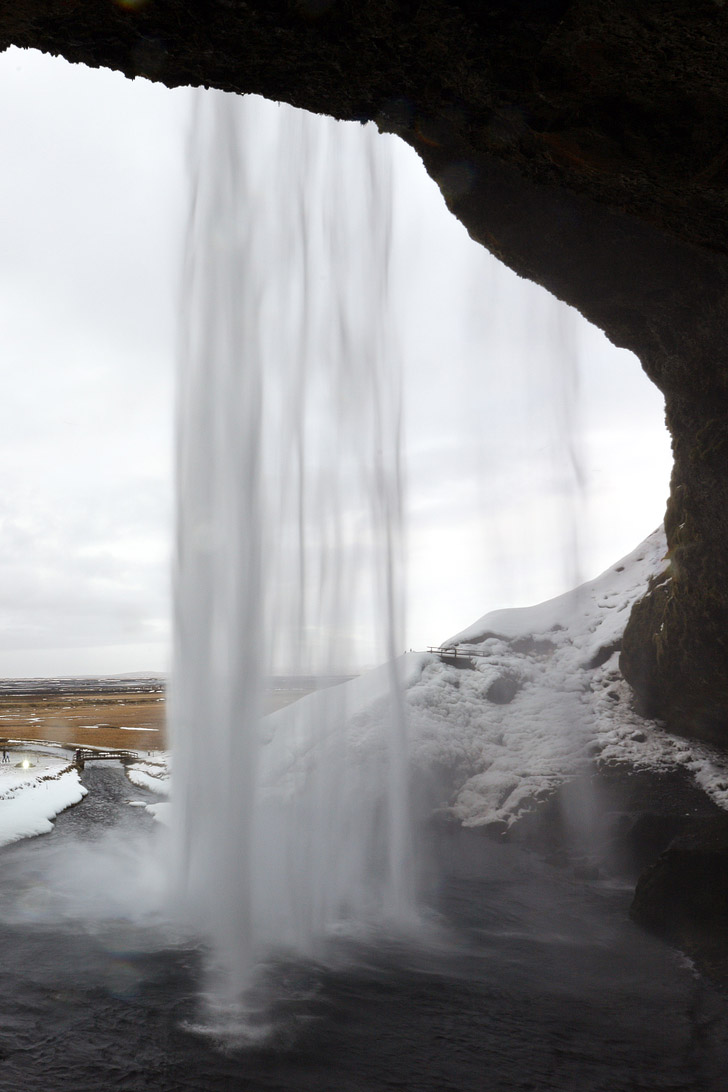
(120,720)
(87,719)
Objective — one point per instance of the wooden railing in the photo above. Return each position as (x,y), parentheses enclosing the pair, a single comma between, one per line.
(80,754)
(86,754)
(457,652)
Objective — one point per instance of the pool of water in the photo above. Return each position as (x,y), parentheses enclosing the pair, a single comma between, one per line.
(520,978)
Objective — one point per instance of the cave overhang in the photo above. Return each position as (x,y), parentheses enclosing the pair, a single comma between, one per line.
(583,143)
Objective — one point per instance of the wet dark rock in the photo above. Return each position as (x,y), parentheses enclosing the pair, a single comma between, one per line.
(605,653)
(532,646)
(683,896)
(586,870)
(496,829)
(655,829)
(618,817)
(503,690)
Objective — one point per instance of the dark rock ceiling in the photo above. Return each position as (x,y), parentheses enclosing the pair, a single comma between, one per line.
(623,101)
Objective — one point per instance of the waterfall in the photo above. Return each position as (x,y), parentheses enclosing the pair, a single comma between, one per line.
(289,536)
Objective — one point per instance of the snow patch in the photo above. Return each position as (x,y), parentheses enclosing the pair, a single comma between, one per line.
(161,812)
(30,799)
(153,776)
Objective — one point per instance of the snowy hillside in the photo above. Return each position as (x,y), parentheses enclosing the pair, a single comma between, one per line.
(543,698)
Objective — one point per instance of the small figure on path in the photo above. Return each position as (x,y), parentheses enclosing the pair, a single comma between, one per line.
(6,756)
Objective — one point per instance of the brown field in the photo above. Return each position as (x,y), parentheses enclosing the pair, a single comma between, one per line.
(89,718)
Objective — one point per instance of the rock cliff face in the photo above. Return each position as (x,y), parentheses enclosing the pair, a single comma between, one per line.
(583,142)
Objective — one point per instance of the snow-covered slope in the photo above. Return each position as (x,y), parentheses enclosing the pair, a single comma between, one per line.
(589,618)
(544,698)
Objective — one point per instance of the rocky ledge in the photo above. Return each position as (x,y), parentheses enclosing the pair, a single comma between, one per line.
(683,895)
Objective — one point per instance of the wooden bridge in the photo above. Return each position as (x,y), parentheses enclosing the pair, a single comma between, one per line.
(457,655)
(82,755)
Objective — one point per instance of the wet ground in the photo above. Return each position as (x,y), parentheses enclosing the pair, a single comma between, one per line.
(524,980)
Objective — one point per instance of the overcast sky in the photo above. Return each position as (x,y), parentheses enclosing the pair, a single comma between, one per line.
(536,451)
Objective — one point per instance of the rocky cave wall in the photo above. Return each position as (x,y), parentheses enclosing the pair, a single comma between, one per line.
(581,141)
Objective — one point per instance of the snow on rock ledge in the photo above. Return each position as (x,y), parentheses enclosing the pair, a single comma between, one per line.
(544,699)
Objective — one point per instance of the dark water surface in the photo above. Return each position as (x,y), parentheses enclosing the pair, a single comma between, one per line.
(527,980)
